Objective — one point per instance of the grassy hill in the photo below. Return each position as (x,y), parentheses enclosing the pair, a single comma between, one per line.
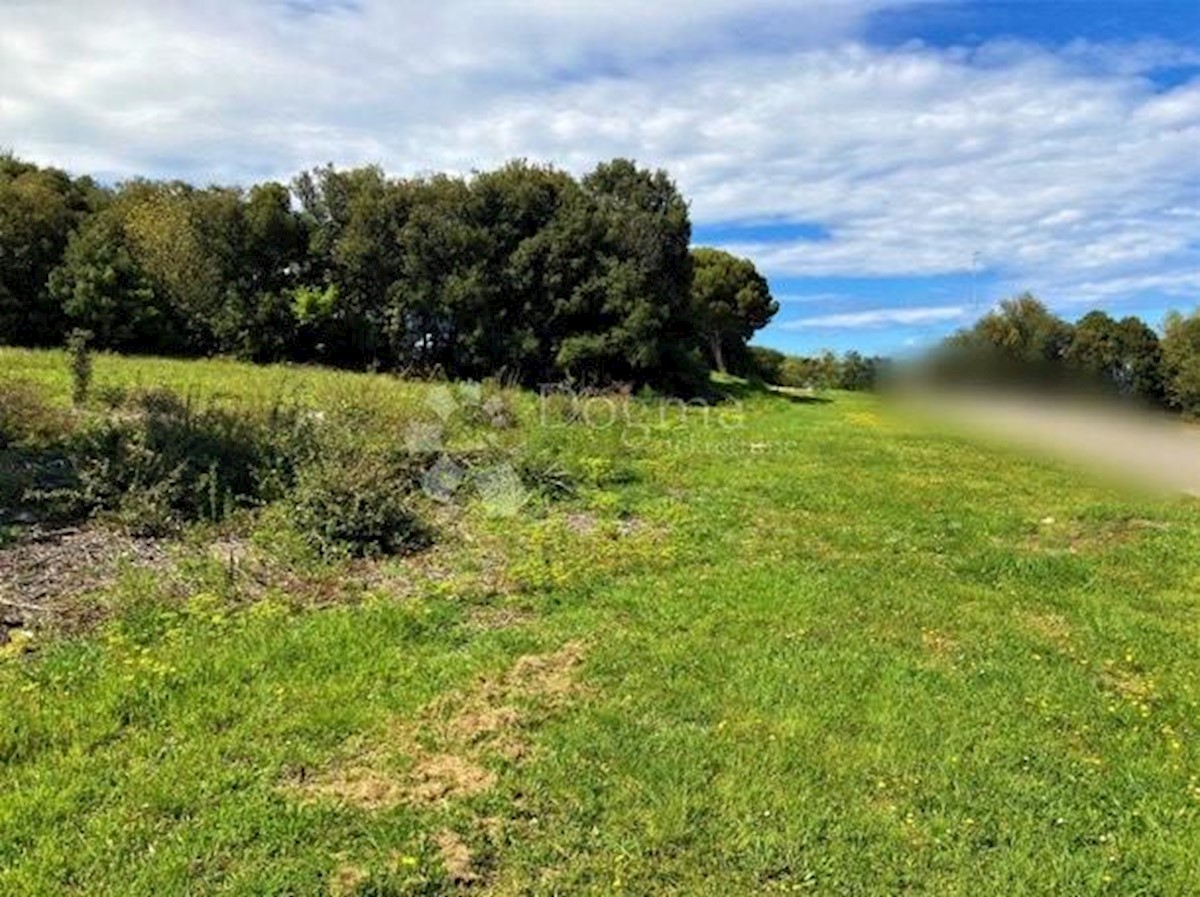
(778,645)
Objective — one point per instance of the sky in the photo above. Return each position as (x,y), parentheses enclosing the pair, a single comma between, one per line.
(894,167)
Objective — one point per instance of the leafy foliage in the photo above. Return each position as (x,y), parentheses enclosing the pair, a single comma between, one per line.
(80,353)
(1023,341)
(27,418)
(101,287)
(1020,336)
(39,208)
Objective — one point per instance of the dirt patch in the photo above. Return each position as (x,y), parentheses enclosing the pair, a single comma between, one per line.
(451,741)
(539,675)
(447,777)
(456,857)
(1131,685)
(628,526)
(359,786)
(231,551)
(582,523)
(441,569)
(44,574)
(477,724)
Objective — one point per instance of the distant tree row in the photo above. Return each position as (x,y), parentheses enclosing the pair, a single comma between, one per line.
(524,272)
(851,371)
(1022,341)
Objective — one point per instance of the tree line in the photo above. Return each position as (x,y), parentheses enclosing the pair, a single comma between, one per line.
(524,272)
(851,371)
(1022,341)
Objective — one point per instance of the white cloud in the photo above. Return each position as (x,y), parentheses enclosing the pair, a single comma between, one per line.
(878,317)
(1067,171)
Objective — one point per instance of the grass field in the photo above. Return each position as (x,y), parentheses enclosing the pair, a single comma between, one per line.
(793,647)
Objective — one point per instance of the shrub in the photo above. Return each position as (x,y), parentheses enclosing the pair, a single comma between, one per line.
(112,396)
(163,462)
(27,418)
(360,506)
(762,364)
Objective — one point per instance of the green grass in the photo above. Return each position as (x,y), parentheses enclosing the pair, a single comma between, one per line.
(827,651)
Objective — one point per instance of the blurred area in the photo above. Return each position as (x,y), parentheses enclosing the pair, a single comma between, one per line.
(1135,447)
(1116,396)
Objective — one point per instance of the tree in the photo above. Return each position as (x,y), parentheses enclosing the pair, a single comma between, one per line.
(730,300)
(1095,347)
(1021,340)
(189,243)
(1141,370)
(1181,360)
(523,271)
(528,261)
(259,321)
(1024,331)
(859,373)
(101,288)
(39,208)
(1123,356)
(816,372)
(353,219)
(765,364)
(629,319)
(437,311)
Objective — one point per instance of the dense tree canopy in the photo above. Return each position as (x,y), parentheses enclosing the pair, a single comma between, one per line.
(39,208)
(1123,354)
(524,271)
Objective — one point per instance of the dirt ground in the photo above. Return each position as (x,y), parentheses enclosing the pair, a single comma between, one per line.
(44,575)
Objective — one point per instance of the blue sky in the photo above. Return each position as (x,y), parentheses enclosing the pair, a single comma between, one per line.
(895,167)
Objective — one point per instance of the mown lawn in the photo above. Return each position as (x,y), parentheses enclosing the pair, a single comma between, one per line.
(809,647)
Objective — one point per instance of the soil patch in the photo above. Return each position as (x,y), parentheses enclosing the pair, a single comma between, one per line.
(45,576)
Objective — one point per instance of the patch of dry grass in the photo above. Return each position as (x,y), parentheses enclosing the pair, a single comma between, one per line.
(450,743)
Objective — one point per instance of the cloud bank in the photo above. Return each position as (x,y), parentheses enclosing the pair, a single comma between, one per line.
(1068,169)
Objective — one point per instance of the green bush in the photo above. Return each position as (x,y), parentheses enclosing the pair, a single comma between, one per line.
(358,506)
(27,418)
